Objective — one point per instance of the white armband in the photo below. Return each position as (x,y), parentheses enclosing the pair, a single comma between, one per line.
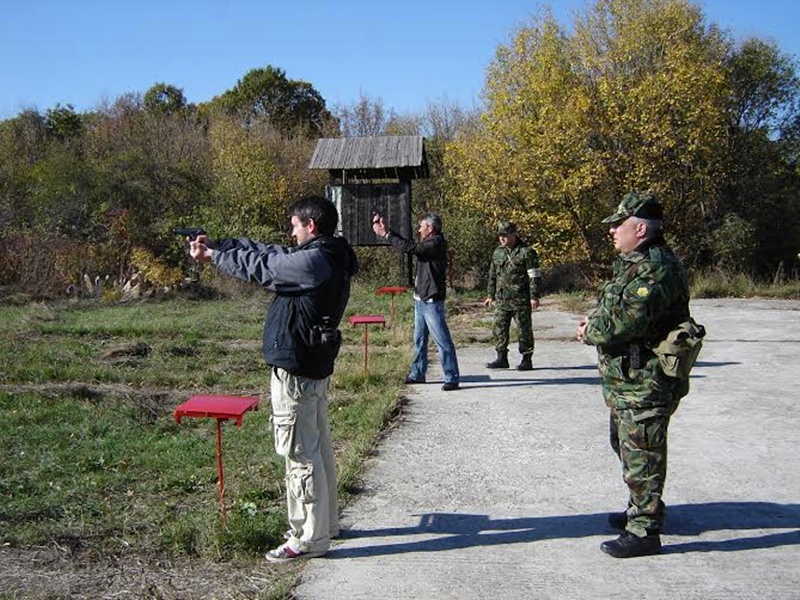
(533,273)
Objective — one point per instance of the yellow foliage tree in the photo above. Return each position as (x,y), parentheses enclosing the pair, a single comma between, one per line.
(633,98)
(252,193)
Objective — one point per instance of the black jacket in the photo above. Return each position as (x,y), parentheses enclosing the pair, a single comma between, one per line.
(430,282)
(312,287)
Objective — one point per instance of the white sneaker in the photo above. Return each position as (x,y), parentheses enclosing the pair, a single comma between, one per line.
(285,553)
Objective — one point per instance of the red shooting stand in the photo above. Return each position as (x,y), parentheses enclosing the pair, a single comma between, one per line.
(393,290)
(221,408)
(366,321)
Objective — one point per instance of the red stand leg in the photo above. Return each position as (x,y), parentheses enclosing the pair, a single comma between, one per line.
(219,470)
(366,347)
(366,321)
(221,408)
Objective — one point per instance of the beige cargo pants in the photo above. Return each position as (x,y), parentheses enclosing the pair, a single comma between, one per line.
(303,437)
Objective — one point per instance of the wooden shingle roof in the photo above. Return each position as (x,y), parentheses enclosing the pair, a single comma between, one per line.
(377,157)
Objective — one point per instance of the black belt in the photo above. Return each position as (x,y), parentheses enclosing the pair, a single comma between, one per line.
(636,352)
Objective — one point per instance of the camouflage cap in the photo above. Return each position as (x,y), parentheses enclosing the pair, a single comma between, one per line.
(637,204)
(506,227)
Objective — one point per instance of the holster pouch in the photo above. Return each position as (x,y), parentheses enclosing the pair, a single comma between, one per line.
(678,352)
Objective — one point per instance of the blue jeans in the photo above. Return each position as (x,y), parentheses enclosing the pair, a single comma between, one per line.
(429,319)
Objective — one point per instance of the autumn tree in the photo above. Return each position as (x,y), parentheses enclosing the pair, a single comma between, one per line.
(470,235)
(633,98)
(251,195)
(365,117)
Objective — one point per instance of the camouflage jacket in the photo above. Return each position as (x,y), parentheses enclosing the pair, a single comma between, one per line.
(514,275)
(646,298)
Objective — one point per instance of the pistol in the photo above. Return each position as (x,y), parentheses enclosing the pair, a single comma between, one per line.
(190,232)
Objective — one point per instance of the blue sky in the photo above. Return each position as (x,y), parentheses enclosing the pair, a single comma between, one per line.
(406,54)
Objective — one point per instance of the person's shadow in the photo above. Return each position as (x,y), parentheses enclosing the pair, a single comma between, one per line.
(486,381)
(449,531)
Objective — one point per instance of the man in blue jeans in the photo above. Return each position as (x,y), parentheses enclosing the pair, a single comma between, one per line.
(429,293)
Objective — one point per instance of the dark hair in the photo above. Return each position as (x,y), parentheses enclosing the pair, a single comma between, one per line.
(320,209)
(434,221)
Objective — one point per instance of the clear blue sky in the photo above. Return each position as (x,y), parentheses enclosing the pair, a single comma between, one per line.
(404,53)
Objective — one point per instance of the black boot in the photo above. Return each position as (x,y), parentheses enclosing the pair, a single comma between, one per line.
(525,364)
(501,362)
(628,545)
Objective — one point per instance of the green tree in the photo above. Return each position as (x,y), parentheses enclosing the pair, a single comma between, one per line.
(22,144)
(165,99)
(156,166)
(289,105)
(63,122)
(762,187)
(734,244)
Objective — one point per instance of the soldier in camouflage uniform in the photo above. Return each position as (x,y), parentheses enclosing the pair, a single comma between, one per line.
(514,284)
(647,297)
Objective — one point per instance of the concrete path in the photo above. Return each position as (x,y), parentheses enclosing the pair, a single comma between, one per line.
(501,490)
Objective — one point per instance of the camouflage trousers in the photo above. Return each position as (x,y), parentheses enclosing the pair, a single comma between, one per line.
(639,438)
(502,326)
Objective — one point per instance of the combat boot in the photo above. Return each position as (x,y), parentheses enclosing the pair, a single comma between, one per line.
(501,362)
(628,545)
(525,364)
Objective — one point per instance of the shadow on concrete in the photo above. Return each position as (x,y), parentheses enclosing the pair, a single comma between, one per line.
(708,363)
(578,368)
(516,382)
(467,530)
(487,381)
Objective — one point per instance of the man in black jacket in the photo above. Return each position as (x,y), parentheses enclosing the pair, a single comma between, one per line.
(430,289)
(311,282)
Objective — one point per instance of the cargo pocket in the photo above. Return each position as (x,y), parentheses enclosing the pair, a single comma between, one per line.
(283,430)
(655,434)
(301,483)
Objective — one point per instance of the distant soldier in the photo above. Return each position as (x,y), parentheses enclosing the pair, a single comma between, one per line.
(647,297)
(514,286)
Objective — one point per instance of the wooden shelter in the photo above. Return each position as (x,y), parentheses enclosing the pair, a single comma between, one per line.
(394,157)
(368,175)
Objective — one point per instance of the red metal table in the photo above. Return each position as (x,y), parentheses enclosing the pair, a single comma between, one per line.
(392,290)
(222,408)
(366,321)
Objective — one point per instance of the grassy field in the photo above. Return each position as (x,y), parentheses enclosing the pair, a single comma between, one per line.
(96,472)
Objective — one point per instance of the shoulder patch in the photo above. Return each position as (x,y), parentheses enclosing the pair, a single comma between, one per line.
(642,292)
